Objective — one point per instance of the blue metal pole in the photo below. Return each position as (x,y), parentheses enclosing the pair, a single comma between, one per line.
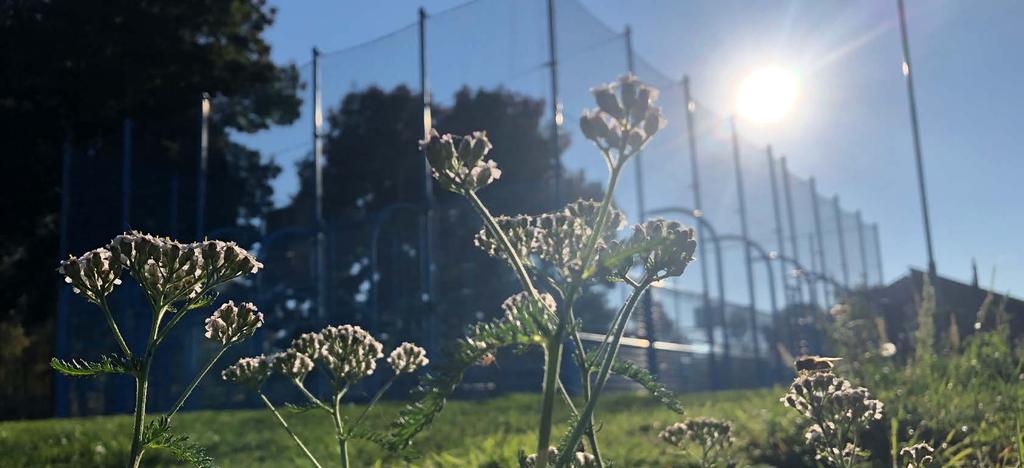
(748,258)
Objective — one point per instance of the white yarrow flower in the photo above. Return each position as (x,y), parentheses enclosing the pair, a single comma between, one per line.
(230,324)
(407,357)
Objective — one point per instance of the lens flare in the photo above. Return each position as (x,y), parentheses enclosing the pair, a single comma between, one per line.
(768,94)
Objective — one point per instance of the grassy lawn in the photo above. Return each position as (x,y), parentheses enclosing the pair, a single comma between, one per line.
(467,433)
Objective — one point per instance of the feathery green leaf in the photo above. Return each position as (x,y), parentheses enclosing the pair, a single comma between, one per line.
(640,375)
(110,364)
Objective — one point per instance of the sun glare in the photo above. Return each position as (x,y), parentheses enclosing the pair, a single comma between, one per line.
(768,94)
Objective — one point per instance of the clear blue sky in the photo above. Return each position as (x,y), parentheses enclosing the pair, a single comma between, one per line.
(850,127)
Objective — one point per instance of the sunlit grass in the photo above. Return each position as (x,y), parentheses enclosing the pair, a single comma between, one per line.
(467,433)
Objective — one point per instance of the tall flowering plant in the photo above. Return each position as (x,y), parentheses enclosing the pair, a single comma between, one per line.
(556,256)
(176,278)
(837,411)
(347,354)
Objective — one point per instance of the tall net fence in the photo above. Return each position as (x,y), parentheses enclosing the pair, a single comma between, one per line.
(335,203)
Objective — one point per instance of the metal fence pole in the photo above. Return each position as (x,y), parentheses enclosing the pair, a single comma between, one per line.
(791,221)
(842,242)
(918,158)
(204,155)
(556,107)
(815,269)
(126,174)
(318,204)
(821,239)
(779,229)
(428,221)
(878,253)
(648,300)
(751,293)
(691,107)
(863,251)
(61,387)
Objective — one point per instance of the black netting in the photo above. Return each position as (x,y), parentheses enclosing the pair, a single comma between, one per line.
(262,193)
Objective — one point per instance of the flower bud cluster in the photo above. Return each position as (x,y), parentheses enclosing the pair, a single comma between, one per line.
(291,363)
(226,260)
(230,324)
(918,455)
(580,460)
(708,433)
(170,271)
(458,163)
(837,407)
(248,371)
(662,248)
(533,316)
(309,344)
(166,269)
(92,275)
(350,352)
(557,238)
(625,118)
(407,357)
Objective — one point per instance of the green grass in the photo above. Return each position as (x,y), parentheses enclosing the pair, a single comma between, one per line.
(468,433)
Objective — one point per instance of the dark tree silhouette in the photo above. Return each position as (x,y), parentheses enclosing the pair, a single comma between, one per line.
(73,71)
(373,162)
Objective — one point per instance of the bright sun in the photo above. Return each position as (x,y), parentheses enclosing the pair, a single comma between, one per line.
(768,94)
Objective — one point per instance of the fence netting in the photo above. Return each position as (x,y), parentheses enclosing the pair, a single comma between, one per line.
(381,264)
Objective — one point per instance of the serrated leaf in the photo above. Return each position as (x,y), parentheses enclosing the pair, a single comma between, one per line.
(382,439)
(203,301)
(158,435)
(640,375)
(432,393)
(110,364)
(301,408)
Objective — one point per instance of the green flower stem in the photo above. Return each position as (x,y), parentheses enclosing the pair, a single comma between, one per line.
(581,361)
(373,401)
(339,428)
(195,381)
(552,365)
(553,350)
(312,399)
(284,424)
(506,245)
(602,216)
(113,328)
(142,390)
(180,313)
(602,376)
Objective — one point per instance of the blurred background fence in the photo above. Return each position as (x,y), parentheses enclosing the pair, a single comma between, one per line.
(339,208)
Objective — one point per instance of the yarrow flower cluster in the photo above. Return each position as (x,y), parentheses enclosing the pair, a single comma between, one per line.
(712,436)
(662,248)
(580,460)
(92,275)
(350,352)
(625,117)
(309,344)
(230,323)
(462,169)
(407,358)
(291,363)
(248,371)
(557,239)
(530,314)
(837,410)
(170,271)
(918,455)
(176,277)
